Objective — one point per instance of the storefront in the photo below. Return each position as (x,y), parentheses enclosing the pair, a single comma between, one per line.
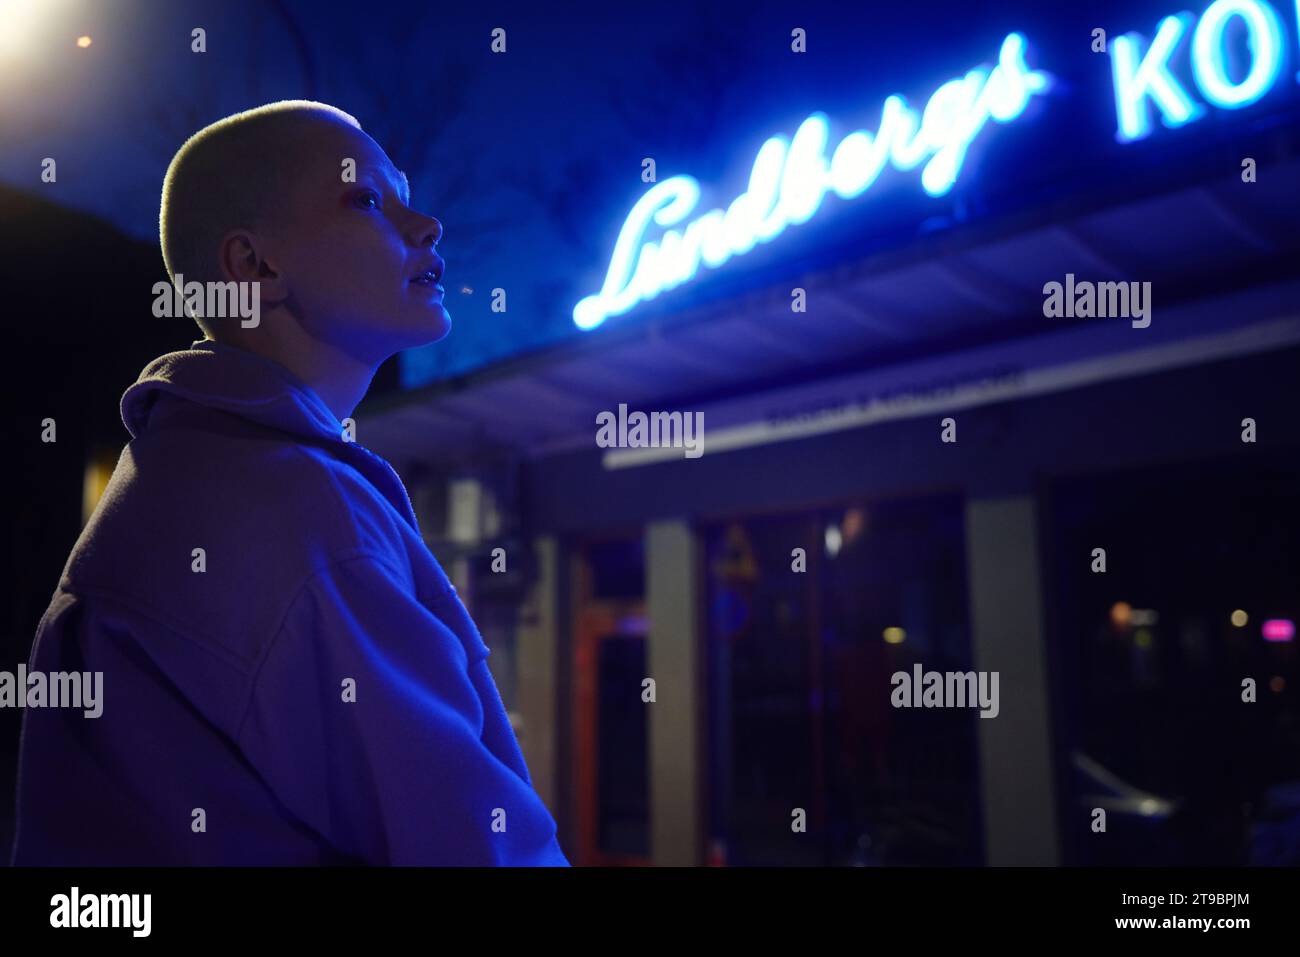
(939,362)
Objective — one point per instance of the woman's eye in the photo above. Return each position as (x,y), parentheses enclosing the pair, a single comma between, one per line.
(368,200)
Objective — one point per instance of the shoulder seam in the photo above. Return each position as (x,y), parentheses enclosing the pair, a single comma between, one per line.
(357,554)
(211,646)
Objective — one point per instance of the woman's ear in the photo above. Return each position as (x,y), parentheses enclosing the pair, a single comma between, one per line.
(243,260)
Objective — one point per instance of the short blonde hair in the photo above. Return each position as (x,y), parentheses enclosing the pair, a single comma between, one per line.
(232,173)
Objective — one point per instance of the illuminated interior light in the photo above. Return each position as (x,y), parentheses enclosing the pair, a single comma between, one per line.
(1144,617)
(1121,614)
(1240,619)
(894,636)
(1210,58)
(99,469)
(1278,629)
(84,42)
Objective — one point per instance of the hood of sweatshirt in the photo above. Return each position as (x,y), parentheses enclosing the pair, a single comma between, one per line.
(213,375)
(233,380)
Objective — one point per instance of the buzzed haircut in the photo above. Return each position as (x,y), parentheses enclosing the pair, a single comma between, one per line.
(235,173)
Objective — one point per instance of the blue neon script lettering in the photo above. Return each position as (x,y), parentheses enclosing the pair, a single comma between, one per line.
(790,178)
(1140,77)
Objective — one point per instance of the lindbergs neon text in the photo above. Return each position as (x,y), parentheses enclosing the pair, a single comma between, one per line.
(790,178)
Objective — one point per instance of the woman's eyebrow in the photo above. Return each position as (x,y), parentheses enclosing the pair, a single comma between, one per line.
(405,191)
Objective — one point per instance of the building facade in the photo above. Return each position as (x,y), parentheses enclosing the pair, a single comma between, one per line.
(1003,382)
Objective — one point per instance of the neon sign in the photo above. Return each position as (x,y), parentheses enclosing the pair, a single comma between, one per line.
(1141,77)
(791,177)
(657,249)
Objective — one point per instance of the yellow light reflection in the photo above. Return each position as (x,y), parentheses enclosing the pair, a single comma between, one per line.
(1121,614)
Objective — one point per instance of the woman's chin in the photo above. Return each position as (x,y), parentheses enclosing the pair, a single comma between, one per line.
(441,325)
(444,326)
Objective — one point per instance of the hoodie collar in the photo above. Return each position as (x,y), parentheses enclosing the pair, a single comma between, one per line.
(221,376)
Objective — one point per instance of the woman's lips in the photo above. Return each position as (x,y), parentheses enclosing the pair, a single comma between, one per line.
(428,282)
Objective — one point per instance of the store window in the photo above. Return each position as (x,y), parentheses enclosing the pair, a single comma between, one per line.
(809,615)
(1176,668)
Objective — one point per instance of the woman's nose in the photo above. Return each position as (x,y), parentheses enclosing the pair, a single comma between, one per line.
(428,231)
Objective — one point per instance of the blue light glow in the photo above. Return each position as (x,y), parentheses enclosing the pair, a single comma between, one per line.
(1209,52)
(790,178)
(1139,77)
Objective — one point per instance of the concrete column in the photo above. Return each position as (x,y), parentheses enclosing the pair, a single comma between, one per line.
(675,659)
(1007,630)
(537,668)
